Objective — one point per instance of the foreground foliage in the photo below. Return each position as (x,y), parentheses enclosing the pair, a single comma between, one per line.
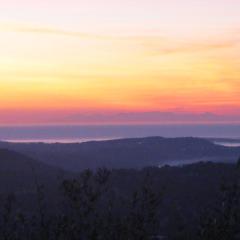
(129,205)
(89,211)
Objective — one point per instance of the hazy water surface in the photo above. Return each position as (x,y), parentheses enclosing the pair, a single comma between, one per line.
(87,133)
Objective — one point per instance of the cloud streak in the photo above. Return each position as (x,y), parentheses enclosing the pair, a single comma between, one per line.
(47,31)
(190,47)
(154,44)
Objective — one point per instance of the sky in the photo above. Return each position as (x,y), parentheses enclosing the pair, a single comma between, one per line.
(75,61)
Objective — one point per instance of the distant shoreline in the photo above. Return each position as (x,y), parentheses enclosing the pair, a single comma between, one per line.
(228,142)
(50,141)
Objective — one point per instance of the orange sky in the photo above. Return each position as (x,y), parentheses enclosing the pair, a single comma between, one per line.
(118,56)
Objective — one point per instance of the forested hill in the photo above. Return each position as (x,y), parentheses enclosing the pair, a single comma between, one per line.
(167,201)
(126,153)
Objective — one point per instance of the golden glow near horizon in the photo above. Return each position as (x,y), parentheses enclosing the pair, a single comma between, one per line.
(120,56)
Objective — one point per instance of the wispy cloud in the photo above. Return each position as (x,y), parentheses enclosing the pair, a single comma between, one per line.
(46,30)
(153,44)
(190,47)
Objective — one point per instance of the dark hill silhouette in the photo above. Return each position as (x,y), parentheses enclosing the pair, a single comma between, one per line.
(20,173)
(17,162)
(127,153)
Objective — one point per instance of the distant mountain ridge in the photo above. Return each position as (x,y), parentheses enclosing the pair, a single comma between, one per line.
(126,153)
